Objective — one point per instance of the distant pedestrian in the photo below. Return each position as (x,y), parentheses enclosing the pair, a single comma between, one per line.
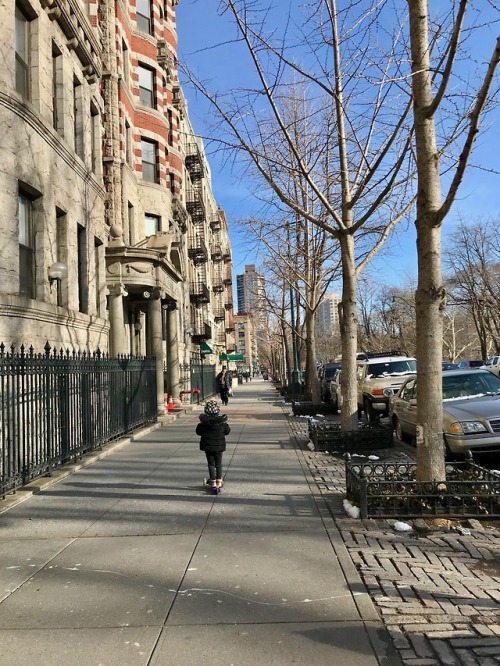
(212,429)
(224,382)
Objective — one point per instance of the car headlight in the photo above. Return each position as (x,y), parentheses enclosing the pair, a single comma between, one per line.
(467,427)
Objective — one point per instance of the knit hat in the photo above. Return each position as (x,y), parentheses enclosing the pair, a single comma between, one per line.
(212,408)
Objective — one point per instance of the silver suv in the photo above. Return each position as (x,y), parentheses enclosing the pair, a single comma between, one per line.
(380,376)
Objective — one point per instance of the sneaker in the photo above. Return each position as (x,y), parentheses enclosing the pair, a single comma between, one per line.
(214,490)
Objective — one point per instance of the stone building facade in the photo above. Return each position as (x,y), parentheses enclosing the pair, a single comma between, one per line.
(103,173)
(51,189)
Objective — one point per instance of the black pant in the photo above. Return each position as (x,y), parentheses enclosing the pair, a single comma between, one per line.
(224,395)
(214,461)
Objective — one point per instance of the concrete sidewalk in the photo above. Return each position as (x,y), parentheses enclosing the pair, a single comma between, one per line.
(130,561)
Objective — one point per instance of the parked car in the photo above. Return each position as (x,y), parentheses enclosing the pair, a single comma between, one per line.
(325,376)
(493,365)
(446,365)
(471,411)
(468,363)
(379,376)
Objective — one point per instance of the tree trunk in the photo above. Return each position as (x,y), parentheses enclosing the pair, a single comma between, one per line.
(285,332)
(349,334)
(312,383)
(430,290)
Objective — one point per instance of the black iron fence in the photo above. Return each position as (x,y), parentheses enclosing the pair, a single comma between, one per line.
(56,406)
(203,378)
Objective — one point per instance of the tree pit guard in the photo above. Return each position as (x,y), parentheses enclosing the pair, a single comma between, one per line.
(390,490)
(306,408)
(327,436)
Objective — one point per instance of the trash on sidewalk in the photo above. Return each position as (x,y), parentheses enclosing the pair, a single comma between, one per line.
(350,509)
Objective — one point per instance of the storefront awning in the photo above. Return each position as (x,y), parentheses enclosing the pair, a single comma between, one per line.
(231,357)
(205,348)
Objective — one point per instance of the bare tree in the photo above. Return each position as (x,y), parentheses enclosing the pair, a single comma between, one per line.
(473,258)
(356,59)
(301,259)
(431,79)
(356,100)
(456,338)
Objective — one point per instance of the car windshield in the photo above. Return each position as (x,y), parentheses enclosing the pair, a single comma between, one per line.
(475,364)
(392,368)
(470,384)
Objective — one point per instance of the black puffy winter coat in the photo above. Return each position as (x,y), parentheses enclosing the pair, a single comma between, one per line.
(213,431)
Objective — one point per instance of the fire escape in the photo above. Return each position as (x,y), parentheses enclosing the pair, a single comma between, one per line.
(215,247)
(218,282)
(201,328)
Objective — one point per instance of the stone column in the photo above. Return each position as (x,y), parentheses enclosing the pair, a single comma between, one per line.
(118,339)
(154,312)
(173,372)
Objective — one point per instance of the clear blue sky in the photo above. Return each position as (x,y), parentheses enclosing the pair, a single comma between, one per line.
(199,27)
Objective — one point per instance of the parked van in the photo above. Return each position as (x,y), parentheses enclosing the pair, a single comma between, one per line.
(493,365)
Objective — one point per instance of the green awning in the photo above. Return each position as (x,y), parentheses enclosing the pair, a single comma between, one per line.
(205,348)
(231,357)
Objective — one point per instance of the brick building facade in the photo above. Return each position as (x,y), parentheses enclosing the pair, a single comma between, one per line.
(103,177)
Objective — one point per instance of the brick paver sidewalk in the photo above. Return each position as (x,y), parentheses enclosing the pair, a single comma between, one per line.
(437,591)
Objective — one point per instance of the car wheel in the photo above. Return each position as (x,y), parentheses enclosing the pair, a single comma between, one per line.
(400,433)
(370,413)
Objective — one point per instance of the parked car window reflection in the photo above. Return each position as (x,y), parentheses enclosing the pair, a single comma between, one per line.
(409,391)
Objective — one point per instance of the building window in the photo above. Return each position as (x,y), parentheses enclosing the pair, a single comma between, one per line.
(22,53)
(78,118)
(128,143)
(148,153)
(83,283)
(125,63)
(143,10)
(57,90)
(62,252)
(146,86)
(151,225)
(131,228)
(170,125)
(95,142)
(98,261)
(27,286)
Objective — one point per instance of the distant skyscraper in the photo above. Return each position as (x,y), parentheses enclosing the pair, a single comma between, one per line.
(327,316)
(250,292)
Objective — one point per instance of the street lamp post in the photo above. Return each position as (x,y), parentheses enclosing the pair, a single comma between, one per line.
(56,273)
(296,387)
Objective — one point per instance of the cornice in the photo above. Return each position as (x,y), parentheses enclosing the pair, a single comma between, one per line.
(79,32)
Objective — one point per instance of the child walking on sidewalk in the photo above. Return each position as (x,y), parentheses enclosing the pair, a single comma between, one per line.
(213,428)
